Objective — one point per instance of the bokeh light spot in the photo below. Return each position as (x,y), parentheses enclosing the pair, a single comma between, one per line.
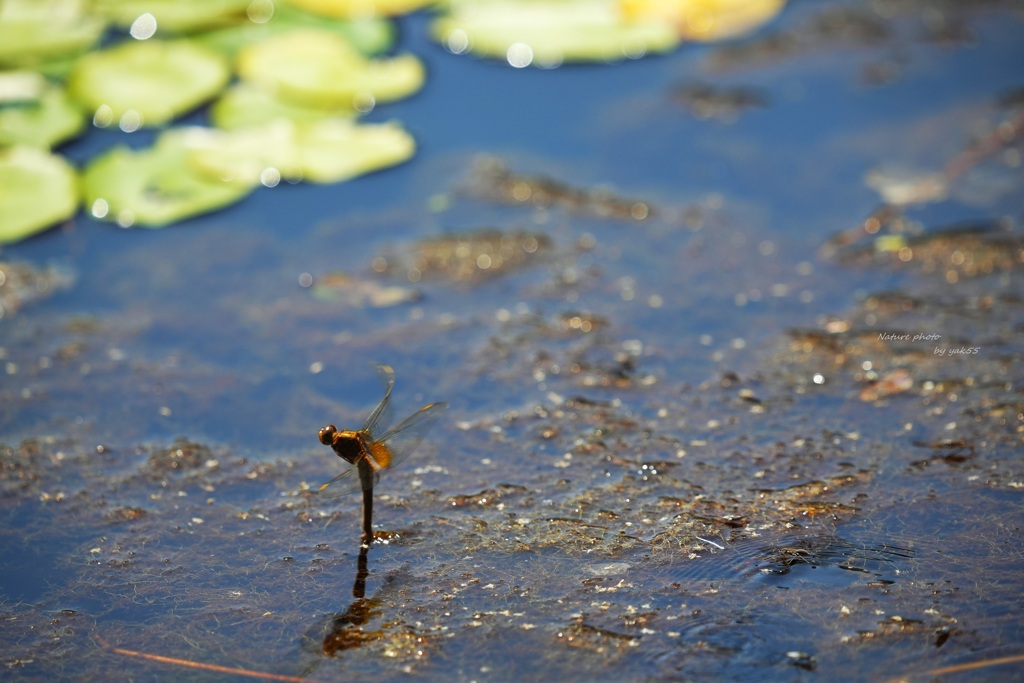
(519,55)
(144,27)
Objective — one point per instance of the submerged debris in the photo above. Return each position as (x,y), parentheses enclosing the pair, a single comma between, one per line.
(22,283)
(470,256)
(706,101)
(342,287)
(490,496)
(575,345)
(895,382)
(847,347)
(897,625)
(955,252)
(492,180)
(573,323)
(902,187)
(125,514)
(816,551)
(952,452)
(829,28)
(180,456)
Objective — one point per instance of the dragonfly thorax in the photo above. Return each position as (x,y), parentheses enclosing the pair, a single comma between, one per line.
(347,444)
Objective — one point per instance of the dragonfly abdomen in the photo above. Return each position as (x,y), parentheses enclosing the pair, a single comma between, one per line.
(380,455)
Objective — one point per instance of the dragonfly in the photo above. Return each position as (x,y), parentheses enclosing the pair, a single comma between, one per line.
(371,453)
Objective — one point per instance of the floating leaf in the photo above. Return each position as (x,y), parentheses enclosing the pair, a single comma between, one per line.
(247,105)
(319,68)
(178,16)
(156,186)
(548,32)
(38,32)
(155,80)
(705,20)
(338,150)
(34,112)
(343,9)
(37,190)
(368,35)
(244,155)
(325,151)
(20,87)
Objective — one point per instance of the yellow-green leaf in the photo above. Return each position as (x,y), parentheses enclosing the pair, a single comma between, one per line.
(153,80)
(35,33)
(326,151)
(154,187)
(344,9)
(317,68)
(705,20)
(549,32)
(35,112)
(37,190)
(179,16)
(246,105)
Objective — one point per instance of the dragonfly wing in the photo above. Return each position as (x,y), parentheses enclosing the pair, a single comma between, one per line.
(342,485)
(379,416)
(407,435)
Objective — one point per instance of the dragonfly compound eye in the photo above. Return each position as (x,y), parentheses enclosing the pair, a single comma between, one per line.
(327,435)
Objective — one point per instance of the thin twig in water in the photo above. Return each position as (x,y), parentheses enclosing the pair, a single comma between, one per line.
(198,665)
(957,668)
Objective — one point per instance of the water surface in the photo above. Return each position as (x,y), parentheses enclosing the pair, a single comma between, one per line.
(677,447)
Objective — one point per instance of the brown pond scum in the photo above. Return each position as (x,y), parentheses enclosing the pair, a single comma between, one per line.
(468,258)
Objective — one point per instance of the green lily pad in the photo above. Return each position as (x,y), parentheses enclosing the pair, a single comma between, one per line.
(156,186)
(332,151)
(246,105)
(157,80)
(371,35)
(37,190)
(360,8)
(21,87)
(177,16)
(317,68)
(325,151)
(34,112)
(705,20)
(549,32)
(245,155)
(34,33)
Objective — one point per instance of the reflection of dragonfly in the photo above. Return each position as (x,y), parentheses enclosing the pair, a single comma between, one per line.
(371,454)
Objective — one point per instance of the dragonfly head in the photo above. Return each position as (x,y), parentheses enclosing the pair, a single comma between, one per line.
(327,435)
